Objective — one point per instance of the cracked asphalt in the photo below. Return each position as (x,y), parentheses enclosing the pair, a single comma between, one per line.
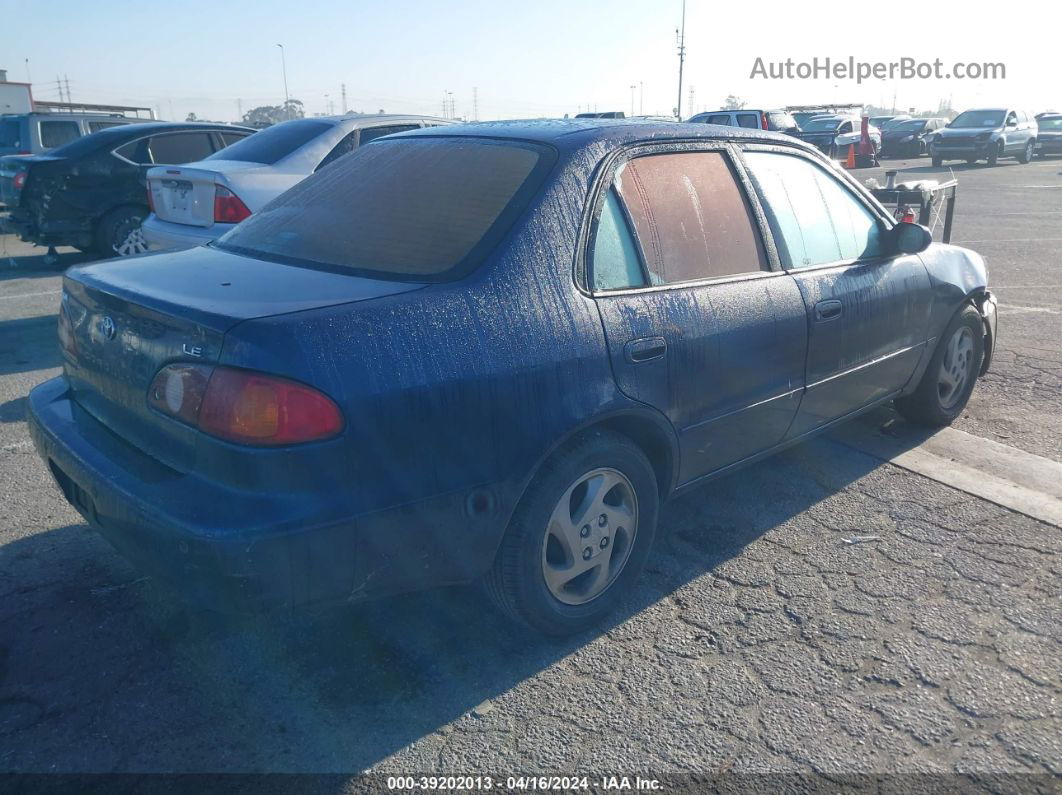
(760,639)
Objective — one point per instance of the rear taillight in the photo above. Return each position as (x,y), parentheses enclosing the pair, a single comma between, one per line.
(19,180)
(228,209)
(763,121)
(244,406)
(151,199)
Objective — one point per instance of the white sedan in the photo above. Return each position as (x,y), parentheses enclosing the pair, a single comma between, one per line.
(195,203)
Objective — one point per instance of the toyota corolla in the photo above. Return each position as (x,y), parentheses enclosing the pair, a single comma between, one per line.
(489,352)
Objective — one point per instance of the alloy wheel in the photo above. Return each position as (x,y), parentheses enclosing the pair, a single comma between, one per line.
(955,367)
(589,536)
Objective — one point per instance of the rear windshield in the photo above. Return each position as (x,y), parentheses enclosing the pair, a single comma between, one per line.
(821,125)
(1050,123)
(413,209)
(911,124)
(273,143)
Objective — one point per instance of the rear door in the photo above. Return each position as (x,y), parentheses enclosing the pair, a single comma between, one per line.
(698,324)
(868,310)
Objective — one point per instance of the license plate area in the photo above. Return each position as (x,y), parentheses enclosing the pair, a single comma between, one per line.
(179,190)
(75,494)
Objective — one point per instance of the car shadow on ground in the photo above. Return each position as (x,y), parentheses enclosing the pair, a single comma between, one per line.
(28,344)
(22,265)
(102,670)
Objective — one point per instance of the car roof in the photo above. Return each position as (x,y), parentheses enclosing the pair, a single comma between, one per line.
(376,117)
(572,134)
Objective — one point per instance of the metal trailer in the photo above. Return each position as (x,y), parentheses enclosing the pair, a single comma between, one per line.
(932,203)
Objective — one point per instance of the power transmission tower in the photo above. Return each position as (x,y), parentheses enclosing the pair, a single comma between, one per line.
(343,94)
(67,78)
(680,36)
(59,83)
(475,104)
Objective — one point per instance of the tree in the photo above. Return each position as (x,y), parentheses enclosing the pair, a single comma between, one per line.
(191,117)
(265,115)
(734,102)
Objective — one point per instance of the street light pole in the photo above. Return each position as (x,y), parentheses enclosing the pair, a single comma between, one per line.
(632,99)
(284,69)
(681,36)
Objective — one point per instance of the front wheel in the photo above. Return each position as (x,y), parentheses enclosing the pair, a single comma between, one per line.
(994,155)
(579,538)
(119,234)
(949,379)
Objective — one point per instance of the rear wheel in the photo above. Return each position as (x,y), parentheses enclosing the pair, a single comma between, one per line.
(1027,154)
(579,538)
(119,234)
(949,379)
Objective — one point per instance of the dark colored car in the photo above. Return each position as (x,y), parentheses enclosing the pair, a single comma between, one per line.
(491,351)
(986,134)
(1049,137)
(910,138)
(92,193)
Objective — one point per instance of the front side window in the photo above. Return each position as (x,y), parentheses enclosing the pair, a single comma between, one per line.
(690,216)
(814,218)
(57,133)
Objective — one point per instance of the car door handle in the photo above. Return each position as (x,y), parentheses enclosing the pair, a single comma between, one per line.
(645,349)
(828,310)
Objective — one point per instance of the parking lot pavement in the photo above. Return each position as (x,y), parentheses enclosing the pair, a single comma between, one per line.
(863,618)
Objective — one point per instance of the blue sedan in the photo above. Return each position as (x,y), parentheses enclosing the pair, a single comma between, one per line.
(489,352)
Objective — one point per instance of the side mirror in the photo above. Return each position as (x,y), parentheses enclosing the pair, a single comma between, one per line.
(911,238)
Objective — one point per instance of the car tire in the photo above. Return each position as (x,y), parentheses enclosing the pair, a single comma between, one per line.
(994,155)
(118,233)
(1027,154)
(544,576)
(937,161)
(949,379)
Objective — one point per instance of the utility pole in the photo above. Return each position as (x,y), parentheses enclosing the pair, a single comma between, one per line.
(28,78)
(475,104)
(632,98)
(239,110)
(343,92)
(641,98)
(680,36)
(284,70)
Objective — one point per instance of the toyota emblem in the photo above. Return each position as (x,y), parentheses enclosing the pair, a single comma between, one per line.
(107,327)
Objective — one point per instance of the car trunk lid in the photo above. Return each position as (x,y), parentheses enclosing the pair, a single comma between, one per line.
(184,195)
(129,318)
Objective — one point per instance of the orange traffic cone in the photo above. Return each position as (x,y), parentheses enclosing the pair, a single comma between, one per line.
(850,162)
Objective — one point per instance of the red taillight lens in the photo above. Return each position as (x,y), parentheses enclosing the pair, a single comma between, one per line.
(908,217)
(763,121)
(151,199)
(228,209)
(19,180)
(244,406)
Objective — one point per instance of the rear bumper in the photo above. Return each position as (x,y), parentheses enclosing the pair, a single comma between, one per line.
(161,235)
(234,550)
(1049,146)
(74,231)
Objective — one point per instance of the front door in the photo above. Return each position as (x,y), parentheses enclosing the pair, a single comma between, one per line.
(868,310)
(697,324)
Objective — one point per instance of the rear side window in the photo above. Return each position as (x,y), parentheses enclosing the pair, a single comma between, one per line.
(96,126)
(186,147)
(719,118)
(815,220)
(780,121)
(229,138)
(417,209)
(615,258)
(749,120)
(274,143)
(372,133)
(347,144)
(57,133)
(691,217)
(10,133)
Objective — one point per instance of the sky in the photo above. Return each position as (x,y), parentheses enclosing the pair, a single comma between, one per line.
(525,59)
